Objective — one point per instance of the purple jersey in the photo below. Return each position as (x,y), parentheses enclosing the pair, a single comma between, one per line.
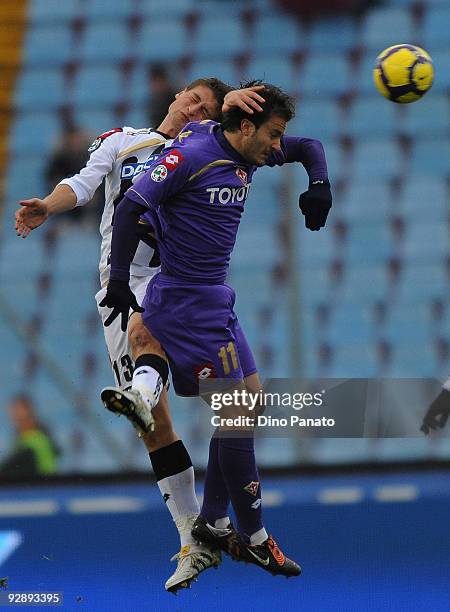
(195,193)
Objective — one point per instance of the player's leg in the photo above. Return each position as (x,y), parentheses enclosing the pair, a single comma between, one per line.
(169,458)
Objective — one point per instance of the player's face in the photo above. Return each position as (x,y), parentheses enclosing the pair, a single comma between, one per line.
(259,143)
(194,104)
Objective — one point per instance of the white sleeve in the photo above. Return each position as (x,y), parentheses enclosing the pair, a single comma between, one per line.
(446,385)
(100,163)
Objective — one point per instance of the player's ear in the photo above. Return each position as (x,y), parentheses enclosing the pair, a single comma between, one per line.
(247,127)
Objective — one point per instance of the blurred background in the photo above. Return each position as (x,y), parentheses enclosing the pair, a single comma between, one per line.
(366,297)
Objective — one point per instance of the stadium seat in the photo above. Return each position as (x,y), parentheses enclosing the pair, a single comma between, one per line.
(40,89)
(325,75)
(98,85)
(425,200)
(106,43)
(30,166)
(48,46)
(420,281)
(435,27)
(34,133)
(425,241)
(369,242)
(219,38)
(354,360)
(384,118)
(224,70)
(383,27)
(137,117)
(155,9)
(111,11)
(95,121)
(430,157)
(276,34)
(335,35)
(51,11)
(376,158)
(317,118)
(152,40)
(277,71)
(364,283)
(413,359)
(429,117)
(366,201)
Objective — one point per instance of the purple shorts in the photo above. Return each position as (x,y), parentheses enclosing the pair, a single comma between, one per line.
(199,330)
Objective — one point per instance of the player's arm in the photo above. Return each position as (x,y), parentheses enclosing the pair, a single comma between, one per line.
(248,99)
(438,411)
(163,179)
(315,203)
(70,192)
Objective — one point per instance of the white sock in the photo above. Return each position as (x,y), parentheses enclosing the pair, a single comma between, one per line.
(222,523)
(259,537)
(149,383)
(178,492)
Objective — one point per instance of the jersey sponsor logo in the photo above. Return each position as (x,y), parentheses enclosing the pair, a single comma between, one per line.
(159,173)
(227,195)
(172,160)
(130,171)
(98,141)
(204,371)
(252,488)
(242,174)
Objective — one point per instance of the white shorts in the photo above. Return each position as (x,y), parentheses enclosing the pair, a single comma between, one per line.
(119,349)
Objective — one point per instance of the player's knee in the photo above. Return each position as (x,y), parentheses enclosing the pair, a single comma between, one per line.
(141,340)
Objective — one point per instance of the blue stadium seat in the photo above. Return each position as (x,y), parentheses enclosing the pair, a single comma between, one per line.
(40,89)
(372,116)
(96,121)
(219,38)
(376,158)
(316,118)
(153,45)
(48,46)
(387,26)
(424,199)
(354,360)
(273,70)
(369,242)
(350,325)
(428,117)
(34,133)
(420,281)
(137,117)
(106,42)
(51,11)
(363,283)
(425,241)
(30,166)
(111,11)
(335,35)
(137,87)
(155,9)
(278,34)
(430,157)
(366,200)
(256,247)
(362,81)
(436,27)
(98,85)
(224,70)
(325,75)
(413,360)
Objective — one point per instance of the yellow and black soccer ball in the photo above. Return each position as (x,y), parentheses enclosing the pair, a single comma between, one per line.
(403,73)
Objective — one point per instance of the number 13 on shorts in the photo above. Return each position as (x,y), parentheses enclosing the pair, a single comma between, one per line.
(228,357)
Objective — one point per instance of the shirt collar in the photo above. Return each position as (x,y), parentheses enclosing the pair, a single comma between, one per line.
(223,142)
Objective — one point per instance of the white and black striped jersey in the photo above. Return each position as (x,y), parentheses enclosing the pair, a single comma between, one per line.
(120,156)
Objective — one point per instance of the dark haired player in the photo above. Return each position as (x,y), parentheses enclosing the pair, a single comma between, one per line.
(194,195)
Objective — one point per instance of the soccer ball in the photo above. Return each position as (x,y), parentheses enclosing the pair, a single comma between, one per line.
(403,73)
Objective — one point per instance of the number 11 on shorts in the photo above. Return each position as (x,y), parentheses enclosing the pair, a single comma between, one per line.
(225,354)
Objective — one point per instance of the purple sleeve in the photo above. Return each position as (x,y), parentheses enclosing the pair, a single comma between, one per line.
(125,238)
(307,151)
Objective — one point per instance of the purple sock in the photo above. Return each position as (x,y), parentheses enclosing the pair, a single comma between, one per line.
(216,498)
(238,465)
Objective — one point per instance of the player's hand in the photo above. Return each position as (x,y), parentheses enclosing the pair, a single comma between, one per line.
(248,99)
(315,204)
(438,412)
(31,215)
(120,298)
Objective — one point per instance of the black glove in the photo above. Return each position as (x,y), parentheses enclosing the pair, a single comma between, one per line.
(437,413)
(120,298)
(315,204)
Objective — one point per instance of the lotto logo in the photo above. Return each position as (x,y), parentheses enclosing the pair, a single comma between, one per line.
(205,371)
(172,160)
(256,504)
